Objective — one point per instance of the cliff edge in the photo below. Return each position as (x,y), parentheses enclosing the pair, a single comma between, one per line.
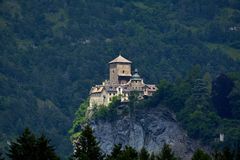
(143,127)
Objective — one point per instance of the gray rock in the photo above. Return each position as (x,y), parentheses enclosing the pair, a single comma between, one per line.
(149,128)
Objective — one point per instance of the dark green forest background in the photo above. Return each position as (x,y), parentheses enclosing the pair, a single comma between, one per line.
(53,51)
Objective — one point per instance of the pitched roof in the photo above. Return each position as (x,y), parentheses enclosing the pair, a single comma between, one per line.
(96,90)
(120,59)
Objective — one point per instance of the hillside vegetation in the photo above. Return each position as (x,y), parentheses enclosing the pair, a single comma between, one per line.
(53,51)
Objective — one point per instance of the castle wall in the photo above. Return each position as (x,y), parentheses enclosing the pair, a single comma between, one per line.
(119,69)
(123,69)
(98,99)
(113,77)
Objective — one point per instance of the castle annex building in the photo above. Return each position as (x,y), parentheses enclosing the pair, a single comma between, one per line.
(121,83)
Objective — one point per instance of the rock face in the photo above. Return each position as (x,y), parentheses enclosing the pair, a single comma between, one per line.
(149,128)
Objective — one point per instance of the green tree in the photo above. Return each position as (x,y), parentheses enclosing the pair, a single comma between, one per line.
(166,153)
(44,150)
(24,147)
(1,158)
(200,155)
(86,146)
(222,86)
(200,91)
(227,154)
(28,147)
(152,157)
(234,101)
(144,155)
(217,155)
(115,152)
(128,153)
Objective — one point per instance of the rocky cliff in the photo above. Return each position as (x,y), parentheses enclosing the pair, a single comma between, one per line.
(148,127)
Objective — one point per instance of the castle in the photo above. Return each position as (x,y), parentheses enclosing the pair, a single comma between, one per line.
(121,83)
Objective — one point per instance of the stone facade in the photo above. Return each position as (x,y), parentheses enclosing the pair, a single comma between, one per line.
(121,83)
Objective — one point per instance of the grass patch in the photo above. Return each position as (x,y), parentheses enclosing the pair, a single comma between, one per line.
(232,52)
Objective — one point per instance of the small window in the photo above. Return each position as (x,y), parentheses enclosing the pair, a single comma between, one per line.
(123,71)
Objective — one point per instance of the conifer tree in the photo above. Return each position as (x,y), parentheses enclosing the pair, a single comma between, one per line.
(166,153)
(116,152)
(28,147)
(152,157)
(128,153)
(144,155)
(24,147)
(200,155)
(228,154)
(87,147)
(1,158)
(44,150)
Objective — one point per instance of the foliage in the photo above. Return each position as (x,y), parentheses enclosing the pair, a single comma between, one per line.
(166,153)
(108,112)
(1,158)
(80,118)
(144,155)
(28,147)
(200,107)
(222,86)
(227,154)
(200,155)
(116,151)
(121,154)
(86,147)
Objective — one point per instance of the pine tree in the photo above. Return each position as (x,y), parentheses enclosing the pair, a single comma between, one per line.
(217,155)
(86,146)
(44,150)
(152,157)
(200,155)
(166,153)
(128,153)
(1,158)
(200,92)
(227,154)
(144,155)
(116,152)
(24,147)
(28,147)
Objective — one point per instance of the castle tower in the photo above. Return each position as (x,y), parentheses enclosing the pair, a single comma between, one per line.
(119,70)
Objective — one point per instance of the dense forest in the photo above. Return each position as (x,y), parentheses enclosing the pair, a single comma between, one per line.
(53,51)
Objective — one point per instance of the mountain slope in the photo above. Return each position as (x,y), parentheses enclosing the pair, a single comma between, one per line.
(52,52)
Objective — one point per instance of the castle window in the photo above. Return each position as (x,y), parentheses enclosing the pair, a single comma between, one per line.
(123,71)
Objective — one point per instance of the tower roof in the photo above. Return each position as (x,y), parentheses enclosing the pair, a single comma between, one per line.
(120,59)
(136,76)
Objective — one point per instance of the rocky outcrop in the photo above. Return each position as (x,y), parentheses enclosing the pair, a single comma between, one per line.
(148,127)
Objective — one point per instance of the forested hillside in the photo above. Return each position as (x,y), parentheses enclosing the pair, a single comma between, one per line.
(53,51)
